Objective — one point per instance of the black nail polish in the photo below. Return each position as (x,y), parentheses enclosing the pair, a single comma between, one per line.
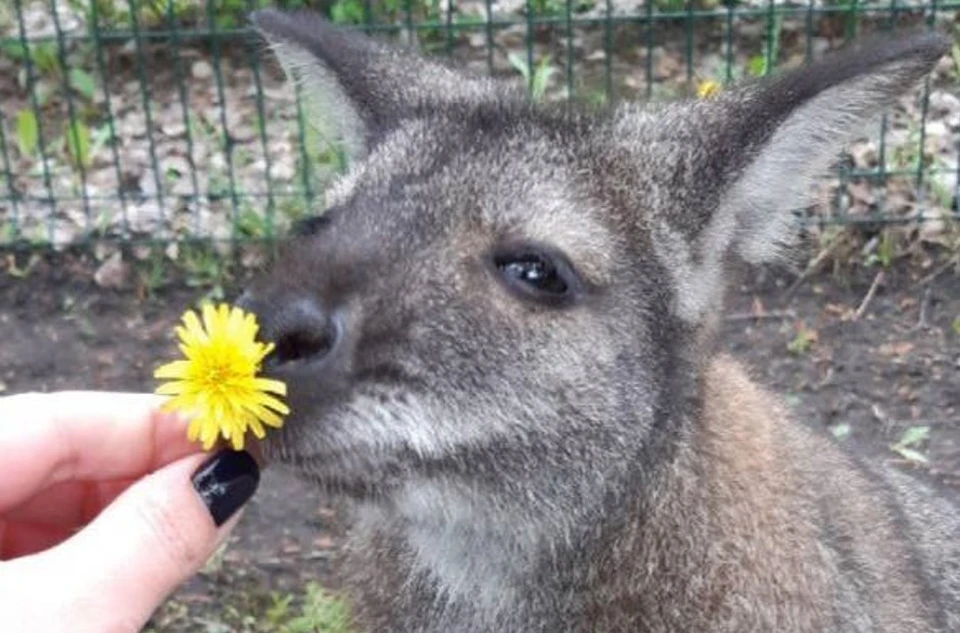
(225,482)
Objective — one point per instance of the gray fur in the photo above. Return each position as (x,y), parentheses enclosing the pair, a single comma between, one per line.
(595,464)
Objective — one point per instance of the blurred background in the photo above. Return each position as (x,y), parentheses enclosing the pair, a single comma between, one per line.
(157,121)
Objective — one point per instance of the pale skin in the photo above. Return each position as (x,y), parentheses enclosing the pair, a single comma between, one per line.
(99,522)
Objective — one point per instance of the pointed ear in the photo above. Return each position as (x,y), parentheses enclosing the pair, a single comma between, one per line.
(793,127)
(355,89)
(764,145)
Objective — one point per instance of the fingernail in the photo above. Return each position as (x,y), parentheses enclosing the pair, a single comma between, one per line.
(225,482)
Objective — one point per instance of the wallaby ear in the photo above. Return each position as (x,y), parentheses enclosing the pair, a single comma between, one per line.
(794,126)
(764,146)
(354,88)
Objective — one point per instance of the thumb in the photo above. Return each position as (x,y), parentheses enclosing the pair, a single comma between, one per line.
(114,573)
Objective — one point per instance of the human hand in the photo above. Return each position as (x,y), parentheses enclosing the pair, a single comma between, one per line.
(100,516)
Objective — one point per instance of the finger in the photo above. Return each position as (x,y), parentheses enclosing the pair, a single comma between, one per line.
(21,539)
(70,503)
(150,540)
(50,438)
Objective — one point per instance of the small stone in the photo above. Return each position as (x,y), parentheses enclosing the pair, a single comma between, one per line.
(277,94)
(113,273)
(243,133)
(103,249)
(133,125)
(283,170)
(183,187)
(936,131)
(141,252)
(148,185)
(201,69)
(946,180)
(252,258)
(864,154)
(174,128)
(178,164)
(932,230)
(324,542)
(62,236)
(946,106)
(665,64)
(477,39)
(145,218)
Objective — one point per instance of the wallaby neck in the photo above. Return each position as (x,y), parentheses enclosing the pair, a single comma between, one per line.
(504,560)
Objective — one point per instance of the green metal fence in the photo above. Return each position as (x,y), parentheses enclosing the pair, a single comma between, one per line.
(164,120)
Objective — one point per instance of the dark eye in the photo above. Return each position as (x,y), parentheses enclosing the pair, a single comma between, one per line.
(535,274)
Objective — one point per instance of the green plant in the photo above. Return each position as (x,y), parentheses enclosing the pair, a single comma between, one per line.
(18,271)
(205,268)
(152,273)
(83,83)
(54,75)
(6,16)
(150,14)
(321,613)
(841,431)
(758,65)
(44,59)
(348,12)
(28,134)
(955,56)
(8,231)
(77,135)
(670,6)
(762,64)
(907,154)
(909,444)
(803,339)
(955,326)
(882,251)
(361,11)
(252,224)
(539,79)
(552,8)
(942,195)
(545,7)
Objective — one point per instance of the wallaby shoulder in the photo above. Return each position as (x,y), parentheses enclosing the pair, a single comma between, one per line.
(756,509)
(861,533)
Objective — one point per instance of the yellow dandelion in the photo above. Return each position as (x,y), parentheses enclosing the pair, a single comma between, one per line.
(217,384)
(708,88)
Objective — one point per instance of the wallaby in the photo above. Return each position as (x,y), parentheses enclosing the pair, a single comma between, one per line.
(499,339)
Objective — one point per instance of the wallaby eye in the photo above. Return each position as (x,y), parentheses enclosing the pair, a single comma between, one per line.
(535,273)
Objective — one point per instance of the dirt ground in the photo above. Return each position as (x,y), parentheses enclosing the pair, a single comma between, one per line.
(868,378)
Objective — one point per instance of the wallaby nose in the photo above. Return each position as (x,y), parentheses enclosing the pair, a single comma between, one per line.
(300,329)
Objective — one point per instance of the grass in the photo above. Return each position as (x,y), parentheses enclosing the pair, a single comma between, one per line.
(247,610)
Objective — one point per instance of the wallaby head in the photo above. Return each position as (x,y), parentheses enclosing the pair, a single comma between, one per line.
(507,309)
(499,289)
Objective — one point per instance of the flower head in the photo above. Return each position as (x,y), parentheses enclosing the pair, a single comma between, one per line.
(708,88)
(217,384)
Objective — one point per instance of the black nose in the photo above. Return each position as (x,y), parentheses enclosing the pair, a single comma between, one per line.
(300,329)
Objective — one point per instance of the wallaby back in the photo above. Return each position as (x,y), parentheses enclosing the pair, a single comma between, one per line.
(499,340)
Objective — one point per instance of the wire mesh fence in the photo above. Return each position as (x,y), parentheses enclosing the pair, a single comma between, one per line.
(163,120)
